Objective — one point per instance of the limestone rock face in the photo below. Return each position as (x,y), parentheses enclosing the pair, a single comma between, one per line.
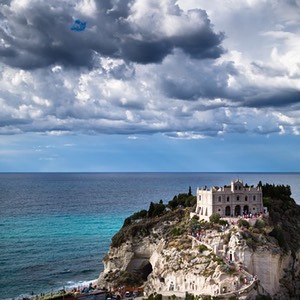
(211,266)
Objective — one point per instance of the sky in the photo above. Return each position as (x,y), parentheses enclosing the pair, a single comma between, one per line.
(150,85)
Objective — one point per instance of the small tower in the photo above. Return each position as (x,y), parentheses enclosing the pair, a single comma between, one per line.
(237,186)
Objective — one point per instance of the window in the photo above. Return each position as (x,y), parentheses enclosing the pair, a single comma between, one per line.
(199,197)
(227,199)
(219,198)
(239,187)
(227,211)
(254,198)
(237,198)
(246,198)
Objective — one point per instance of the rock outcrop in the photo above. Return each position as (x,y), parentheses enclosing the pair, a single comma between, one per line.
(168,256)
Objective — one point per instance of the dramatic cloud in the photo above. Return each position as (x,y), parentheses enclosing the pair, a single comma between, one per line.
(187,69)
(36,34)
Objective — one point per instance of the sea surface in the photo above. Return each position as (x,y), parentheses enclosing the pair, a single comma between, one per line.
(55,228)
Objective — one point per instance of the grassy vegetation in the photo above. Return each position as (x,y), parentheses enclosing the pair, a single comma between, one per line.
(141,223)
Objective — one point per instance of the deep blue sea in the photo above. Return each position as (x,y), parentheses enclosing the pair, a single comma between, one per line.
(55,228)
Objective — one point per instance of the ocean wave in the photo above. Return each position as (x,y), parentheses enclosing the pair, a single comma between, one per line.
(80,284)
(65,271)
(85,271)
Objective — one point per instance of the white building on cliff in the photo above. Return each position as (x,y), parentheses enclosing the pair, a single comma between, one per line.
(229,201)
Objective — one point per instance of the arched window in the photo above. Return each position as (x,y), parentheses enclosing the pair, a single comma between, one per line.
(237,210)
(227,211)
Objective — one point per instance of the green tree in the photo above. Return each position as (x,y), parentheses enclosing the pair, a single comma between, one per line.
(259,224)
(190,191)
(127,222)
(156,209)
(243,223)
(151,210)
(139,215)
(215,218)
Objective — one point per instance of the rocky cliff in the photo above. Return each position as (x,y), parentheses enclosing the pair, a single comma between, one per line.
(174,254)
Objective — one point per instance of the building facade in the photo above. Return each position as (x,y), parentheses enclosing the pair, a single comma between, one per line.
(229,201)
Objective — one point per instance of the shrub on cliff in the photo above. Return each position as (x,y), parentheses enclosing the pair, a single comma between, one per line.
(275,191)
(155,297)
(145,226)
(215,218)
(260,225)
(118,239)
(279,235)
(243,223)
(139,215)
(182,200)
(177,231)
(284,215)
(202,248)
(159,209)
(156,209)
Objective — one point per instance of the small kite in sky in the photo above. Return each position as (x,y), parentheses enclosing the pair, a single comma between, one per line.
(78,25)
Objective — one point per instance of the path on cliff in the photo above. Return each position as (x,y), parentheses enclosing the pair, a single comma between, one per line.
(250,281)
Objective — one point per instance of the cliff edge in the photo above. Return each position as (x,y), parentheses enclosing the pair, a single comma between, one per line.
(167,252)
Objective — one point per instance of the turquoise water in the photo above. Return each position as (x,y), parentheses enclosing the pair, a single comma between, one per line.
(55,228)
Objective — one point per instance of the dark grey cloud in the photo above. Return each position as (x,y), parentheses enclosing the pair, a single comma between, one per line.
(202,80)
(139,67)
(39,35)
(145,51)
(202,43)
(15,122)
(273,98)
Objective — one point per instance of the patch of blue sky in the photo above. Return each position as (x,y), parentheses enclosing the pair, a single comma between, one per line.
(78,25)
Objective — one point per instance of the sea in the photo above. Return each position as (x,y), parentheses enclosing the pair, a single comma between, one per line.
(55,228)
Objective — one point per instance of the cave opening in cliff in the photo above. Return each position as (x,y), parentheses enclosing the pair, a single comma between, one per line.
(146,270)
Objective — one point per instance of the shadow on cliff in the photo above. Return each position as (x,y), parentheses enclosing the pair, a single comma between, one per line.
(284,216)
